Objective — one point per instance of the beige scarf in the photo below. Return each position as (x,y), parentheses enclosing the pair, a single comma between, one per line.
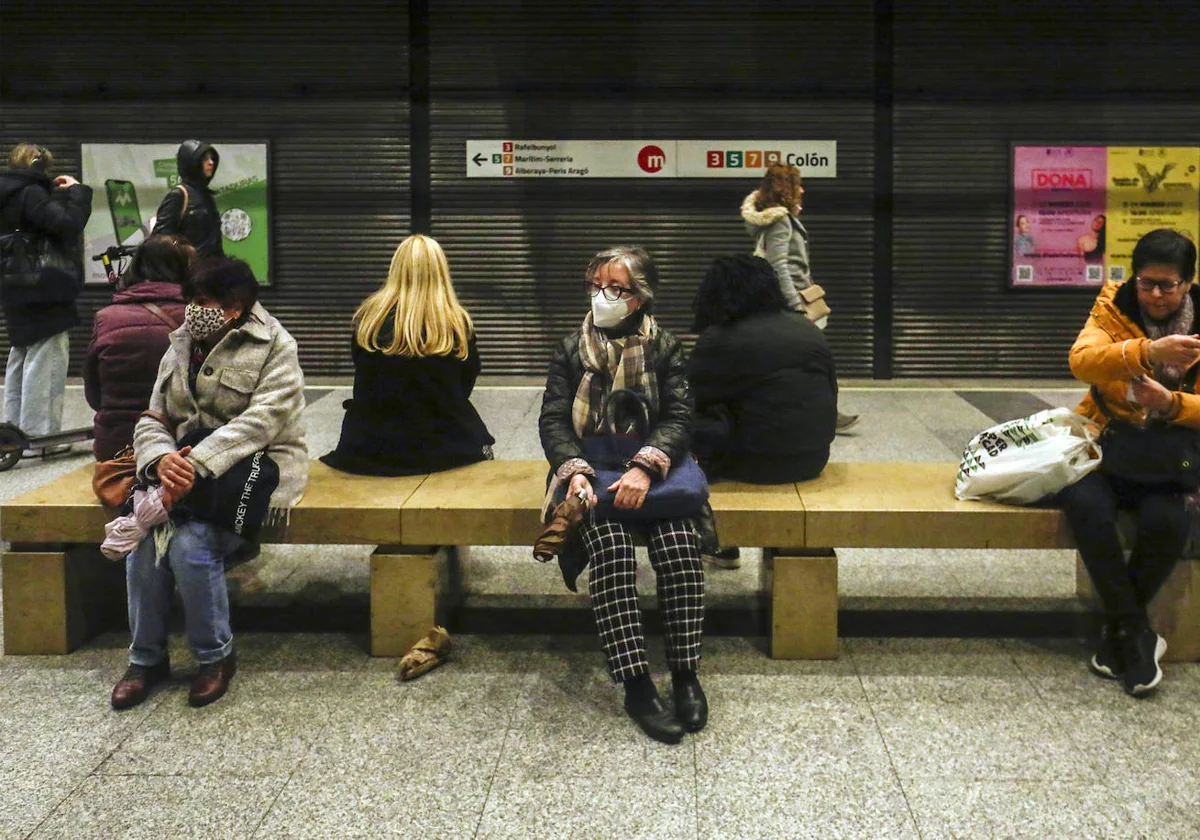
(619,362)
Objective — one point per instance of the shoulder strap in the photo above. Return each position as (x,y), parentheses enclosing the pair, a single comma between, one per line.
(183,190)
(161,314)
(1100,402)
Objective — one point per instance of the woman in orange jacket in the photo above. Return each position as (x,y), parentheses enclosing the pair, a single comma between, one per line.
(1137,351)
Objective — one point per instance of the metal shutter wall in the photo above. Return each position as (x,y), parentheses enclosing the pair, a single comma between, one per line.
(971,78)
(517,248)
(222,48)
(339,196)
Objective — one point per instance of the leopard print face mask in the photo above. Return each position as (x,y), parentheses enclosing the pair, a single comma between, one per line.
(203,321)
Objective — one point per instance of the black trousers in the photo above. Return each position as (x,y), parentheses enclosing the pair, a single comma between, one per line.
(1091,506)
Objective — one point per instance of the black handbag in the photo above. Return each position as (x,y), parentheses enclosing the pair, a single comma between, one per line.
(1157,453)
(20,257)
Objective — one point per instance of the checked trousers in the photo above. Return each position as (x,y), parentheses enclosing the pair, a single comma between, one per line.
(675,557)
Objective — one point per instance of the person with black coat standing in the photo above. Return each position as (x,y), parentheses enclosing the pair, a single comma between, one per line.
(415,365)
(40,315)
(189,210)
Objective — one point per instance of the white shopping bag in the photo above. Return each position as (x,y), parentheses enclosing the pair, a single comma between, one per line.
(1022,461)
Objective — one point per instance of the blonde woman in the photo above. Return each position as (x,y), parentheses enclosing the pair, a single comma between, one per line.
(415,364)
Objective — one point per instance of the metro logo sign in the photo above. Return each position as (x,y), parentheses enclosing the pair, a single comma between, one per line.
(651,159)
(1062,179)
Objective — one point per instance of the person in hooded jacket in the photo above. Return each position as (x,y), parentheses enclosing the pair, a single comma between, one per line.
(772,217)
(130,337)
(189,210)
(40,316)
(620,346)
(1138,350)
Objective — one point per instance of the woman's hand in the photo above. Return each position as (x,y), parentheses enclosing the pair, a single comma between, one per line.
(66,181)
(177,473)
(1152,395)
(580,484)
(1175,350)
(631,489)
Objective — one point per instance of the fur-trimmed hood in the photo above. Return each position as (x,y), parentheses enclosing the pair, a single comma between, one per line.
(751,215)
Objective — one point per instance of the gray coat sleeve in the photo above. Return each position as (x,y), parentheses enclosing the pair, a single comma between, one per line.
(151,439)
(776,238)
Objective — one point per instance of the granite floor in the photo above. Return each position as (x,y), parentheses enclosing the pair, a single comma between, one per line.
(522,735)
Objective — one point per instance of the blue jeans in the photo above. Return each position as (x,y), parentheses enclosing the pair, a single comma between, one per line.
(35,381)
(196,561)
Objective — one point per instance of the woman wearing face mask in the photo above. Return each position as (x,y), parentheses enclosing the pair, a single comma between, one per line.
(620,346)
(130,338)
(232,369)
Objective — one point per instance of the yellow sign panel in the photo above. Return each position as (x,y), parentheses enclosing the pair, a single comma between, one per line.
(1149,187)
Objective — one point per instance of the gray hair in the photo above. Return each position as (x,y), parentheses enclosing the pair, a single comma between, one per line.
(643,273)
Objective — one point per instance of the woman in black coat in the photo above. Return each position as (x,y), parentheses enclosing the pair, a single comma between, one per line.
(415,364)
(762,377)
(40,315)
(620,346)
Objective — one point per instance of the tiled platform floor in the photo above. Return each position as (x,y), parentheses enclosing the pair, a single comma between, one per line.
(523,736)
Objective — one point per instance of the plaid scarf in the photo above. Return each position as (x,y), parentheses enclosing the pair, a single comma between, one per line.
(1171,376)
(609,364)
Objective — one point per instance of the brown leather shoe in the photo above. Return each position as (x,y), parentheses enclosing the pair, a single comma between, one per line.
(212,681)
(135,686)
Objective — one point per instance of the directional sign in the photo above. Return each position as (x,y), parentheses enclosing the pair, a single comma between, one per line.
(646,158)
(570,159)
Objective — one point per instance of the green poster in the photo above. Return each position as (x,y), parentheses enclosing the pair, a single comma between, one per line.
(137,176)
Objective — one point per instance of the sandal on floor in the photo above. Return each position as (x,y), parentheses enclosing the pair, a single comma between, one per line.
(425,655)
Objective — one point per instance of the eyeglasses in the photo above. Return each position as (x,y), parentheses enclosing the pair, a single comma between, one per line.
(1164,286)
(610,292)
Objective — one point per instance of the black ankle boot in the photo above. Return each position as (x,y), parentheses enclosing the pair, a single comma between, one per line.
(691,706)
(646,708)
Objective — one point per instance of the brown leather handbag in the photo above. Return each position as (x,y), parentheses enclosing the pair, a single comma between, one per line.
(113,480)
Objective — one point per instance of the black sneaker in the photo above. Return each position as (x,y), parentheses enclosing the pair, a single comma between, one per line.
(1142,649)
(1107,661)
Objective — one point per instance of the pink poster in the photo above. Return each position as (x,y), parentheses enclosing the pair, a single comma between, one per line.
(1058,227)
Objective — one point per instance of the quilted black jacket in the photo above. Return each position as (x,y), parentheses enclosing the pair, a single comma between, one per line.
(670,427)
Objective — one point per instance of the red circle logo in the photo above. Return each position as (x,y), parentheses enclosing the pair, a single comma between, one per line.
(651,159)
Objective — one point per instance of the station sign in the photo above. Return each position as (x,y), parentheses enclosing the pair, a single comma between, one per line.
(646,158)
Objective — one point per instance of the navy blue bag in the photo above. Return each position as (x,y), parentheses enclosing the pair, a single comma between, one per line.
(681,495)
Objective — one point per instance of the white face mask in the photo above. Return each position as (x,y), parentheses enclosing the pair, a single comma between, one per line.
(609,313)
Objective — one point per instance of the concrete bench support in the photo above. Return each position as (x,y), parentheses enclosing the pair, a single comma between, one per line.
(804,603)
(56,597)
(1174,612)
(412,588)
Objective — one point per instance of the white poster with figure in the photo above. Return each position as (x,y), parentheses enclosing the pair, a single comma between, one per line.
(129,181)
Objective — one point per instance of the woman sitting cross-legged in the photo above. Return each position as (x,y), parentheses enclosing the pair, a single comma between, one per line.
(229,389)
(415,364)
(620,346)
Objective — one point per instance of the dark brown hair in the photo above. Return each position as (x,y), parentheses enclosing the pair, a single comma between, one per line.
(160,259)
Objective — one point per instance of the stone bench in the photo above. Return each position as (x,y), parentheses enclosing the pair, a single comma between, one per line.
(58,588)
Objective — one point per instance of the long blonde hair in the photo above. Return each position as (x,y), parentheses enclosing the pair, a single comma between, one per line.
(428,320)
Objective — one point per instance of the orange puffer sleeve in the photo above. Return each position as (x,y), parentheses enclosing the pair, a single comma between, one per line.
(1096,357)
(1187,410)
